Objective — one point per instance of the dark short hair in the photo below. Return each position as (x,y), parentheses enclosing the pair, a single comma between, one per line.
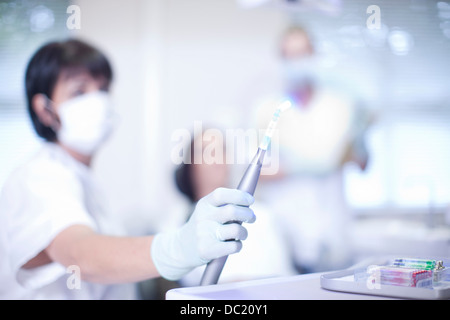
(50,61)
(184,179)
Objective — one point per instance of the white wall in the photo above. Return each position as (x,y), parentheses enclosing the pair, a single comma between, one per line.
(175,62)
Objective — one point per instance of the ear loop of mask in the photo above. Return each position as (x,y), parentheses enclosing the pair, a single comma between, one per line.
(52,111)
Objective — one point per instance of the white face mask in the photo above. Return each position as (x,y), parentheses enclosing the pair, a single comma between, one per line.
(86,122)
(299,72)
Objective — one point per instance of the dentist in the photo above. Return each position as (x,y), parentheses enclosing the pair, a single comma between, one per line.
(50,214)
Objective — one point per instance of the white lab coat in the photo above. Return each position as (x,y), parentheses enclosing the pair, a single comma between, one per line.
(49,193)
(309,200)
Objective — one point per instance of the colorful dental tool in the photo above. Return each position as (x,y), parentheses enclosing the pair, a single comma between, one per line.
(248,183)
(415,263)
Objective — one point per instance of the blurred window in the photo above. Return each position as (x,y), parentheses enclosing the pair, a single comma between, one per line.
(25,25)
(402,72)
(409,165)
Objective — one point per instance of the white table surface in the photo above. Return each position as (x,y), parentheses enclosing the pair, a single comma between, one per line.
(300,287)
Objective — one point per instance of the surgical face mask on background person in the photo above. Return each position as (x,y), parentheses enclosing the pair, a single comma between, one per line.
(299,72)
(85,121)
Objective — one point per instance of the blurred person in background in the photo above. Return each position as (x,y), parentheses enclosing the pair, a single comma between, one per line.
(55,240)
(322,132)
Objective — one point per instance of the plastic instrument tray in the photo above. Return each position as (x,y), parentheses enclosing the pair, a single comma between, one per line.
(344,281)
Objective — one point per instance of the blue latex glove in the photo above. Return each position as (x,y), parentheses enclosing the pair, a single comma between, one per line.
(206,236)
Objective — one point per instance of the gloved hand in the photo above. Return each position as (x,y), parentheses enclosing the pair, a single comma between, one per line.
(203,237)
